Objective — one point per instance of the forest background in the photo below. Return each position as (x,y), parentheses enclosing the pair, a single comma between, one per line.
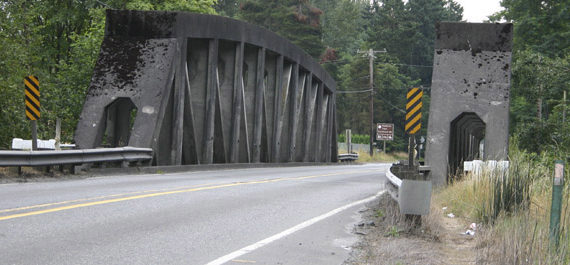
(58,41)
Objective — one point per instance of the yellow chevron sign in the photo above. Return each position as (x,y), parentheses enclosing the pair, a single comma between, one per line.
(414,110)
(32,92)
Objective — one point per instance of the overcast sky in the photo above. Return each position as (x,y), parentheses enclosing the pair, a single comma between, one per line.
(479,10)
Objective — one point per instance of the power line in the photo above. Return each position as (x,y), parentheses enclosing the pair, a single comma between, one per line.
(103,3)
(353,91)
(398,64)
(413,65)
(370,54)
(392,105)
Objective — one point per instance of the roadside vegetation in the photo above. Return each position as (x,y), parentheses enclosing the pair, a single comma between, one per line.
(512,209)
(379,157)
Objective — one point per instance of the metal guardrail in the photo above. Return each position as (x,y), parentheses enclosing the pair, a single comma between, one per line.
(74,157)
(413,196)
(347,157)
(393,184)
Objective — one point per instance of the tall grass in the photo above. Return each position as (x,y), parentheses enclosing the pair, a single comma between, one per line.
(513,209)
(504,191)
(365,157)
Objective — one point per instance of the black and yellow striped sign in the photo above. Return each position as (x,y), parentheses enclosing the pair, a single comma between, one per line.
(414,110)
(32,86)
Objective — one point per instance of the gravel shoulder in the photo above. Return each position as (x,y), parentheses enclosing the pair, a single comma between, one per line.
(386,238)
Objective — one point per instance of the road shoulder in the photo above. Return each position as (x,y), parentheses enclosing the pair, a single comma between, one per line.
(385,238)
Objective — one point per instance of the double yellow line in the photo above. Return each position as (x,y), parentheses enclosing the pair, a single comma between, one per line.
(153,193)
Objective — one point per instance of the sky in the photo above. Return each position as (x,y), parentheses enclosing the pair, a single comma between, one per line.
(479,10)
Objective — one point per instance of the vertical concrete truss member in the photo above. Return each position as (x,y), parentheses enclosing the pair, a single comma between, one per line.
(469,96)
(221,92)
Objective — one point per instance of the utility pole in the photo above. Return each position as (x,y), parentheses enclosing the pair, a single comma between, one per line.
(370,54)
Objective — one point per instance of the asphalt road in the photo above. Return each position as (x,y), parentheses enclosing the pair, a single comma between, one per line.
(290,215)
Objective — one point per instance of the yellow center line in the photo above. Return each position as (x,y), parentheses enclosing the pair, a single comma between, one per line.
(162,193)
(98,198)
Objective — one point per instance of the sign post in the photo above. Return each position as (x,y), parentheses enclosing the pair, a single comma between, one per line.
(556,207)
(32,92)
(413,125)
(384,132)
(413,118)
(348,135)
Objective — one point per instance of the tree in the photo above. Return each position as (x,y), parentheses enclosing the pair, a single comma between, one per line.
(343,26)
(539,73)
(228,8)
(538,83)
(390,87)
(541,26)
(295,20)
(58,42)
(426,14)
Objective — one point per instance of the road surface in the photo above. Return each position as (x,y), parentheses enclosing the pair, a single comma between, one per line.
(287,215)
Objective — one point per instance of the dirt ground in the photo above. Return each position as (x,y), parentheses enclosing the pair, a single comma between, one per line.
(38,174)
(386,238)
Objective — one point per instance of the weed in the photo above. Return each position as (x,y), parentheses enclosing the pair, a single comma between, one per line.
(379,213)
(514,209)
(393,232)
(378,156)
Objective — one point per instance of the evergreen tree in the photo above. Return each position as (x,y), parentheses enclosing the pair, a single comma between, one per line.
(541,26)
(295,20)
(425,14)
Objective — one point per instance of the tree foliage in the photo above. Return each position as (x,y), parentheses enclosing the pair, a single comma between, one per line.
(57,41)
(295,20)
(539,73)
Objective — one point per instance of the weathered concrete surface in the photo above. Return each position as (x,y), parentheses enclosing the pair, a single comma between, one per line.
(471,75)
(207,89)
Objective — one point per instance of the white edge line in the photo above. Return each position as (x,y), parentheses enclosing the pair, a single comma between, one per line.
(259,244)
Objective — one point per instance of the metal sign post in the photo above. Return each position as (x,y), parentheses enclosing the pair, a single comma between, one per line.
(556,207)
(413,118)
(32,92)
(413,126)
(384,132)
(348,141)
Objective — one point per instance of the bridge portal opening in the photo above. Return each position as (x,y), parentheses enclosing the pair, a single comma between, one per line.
(119,119)
(466,142)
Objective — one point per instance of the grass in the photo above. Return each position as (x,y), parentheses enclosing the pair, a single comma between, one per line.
(513,210)
(393,232)
(378,157)
(379,213)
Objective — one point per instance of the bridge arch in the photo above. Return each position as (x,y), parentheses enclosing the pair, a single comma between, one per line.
(210,89)
(466,141)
